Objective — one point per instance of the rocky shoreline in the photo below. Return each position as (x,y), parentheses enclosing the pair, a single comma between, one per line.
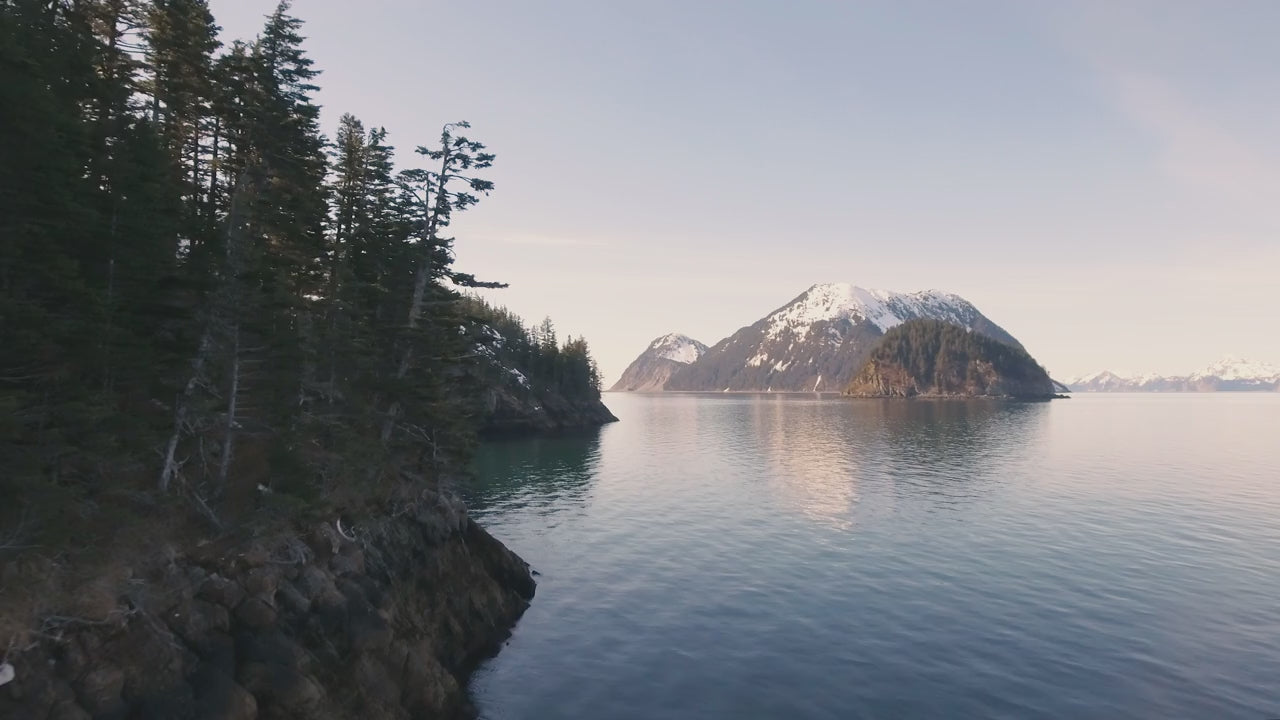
(382,621)
(520,412)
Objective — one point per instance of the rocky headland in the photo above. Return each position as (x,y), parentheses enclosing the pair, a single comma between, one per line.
(931,358)
(384,620)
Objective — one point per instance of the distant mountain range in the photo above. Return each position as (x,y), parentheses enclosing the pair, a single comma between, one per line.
(816,342)
(1229,374)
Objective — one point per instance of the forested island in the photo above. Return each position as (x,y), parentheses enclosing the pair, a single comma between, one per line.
(932,358)
(238,372)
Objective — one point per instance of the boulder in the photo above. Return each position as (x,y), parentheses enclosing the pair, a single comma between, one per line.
(100,691)
(220,590)
(256,613)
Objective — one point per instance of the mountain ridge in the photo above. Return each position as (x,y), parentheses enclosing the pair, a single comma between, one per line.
(1230,374)
(664,357)
(817,341)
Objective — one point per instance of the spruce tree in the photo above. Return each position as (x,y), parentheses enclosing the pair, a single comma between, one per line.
(47,309)
(430,197)
(185,272)
(181,40)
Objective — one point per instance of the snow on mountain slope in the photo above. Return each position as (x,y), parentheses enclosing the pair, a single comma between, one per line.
(1230,373)
(1100,380)
(663,358)
(820,339)
(1235,368)
(882,308)
(680,348)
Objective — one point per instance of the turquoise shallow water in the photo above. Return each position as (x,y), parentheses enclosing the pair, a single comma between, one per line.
(757,556)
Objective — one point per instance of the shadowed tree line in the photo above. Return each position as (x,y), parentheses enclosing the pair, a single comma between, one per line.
(936,357)
(203,298)
(565,368)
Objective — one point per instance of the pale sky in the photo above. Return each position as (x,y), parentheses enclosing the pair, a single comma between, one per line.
(1102,178)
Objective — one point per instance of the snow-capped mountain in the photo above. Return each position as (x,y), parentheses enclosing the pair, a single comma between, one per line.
(1233,369)
(664,356)
(1229,374)
(1103,381)
(819,340)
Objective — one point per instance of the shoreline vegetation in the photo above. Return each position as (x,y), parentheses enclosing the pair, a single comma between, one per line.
(927,358)
(239,382)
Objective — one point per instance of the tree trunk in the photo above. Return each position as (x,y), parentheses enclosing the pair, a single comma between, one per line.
(205,349)
(211,204)
(228,437)
(420,284)
(181,405)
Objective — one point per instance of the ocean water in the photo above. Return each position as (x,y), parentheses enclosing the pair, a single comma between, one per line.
(774,556)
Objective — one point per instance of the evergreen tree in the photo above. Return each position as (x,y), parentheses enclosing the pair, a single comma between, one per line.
(430,197)
(567,370)
(181,41)
(48,313)
(186,272)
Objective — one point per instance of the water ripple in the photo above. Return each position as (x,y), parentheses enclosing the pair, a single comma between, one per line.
(767,556)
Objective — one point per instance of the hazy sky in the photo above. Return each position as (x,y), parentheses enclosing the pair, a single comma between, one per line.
(1100,178)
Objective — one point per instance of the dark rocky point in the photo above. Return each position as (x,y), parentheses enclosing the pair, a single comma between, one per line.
(394,634)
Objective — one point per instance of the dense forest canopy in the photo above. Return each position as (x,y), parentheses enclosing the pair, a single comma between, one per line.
(203,298)
(933,357)
(565,368)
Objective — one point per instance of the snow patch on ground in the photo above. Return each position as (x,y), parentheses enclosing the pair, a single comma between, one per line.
(495,338)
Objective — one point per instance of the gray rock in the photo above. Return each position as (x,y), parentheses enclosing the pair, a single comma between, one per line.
(197,621)
(281,686)
(376,681)
(348,561)
(100,691)
(219,697)
(289,597)
(314,582)
(68,710)
(220,590)
(368,632)
(256,613)
(262,581)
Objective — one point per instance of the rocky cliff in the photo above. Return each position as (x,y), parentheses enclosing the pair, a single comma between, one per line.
(523,386)
(265,606)
(930,358)
(518,408)
(380,621)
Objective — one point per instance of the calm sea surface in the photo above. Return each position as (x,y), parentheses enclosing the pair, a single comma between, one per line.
(756,556)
